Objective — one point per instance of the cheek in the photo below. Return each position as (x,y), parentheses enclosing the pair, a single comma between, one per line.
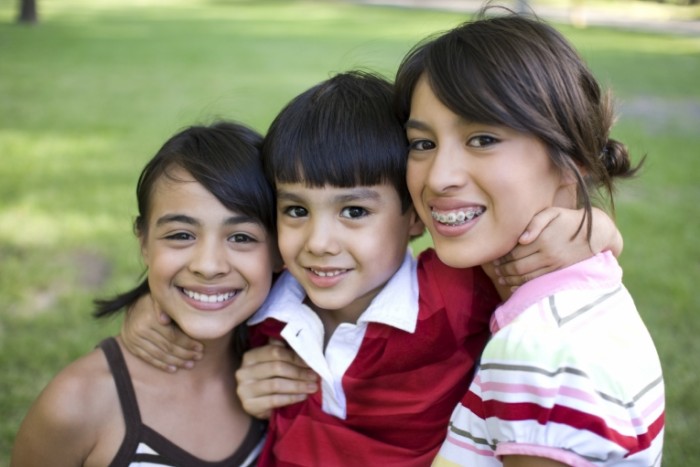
(414,180)
(286,240)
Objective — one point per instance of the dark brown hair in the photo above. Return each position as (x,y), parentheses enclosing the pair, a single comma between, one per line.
(519,72)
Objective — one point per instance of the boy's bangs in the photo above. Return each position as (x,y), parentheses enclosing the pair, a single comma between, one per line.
(340,161)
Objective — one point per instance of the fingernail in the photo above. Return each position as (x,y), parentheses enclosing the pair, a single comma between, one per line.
(501,281)
(189,364)
(171,369)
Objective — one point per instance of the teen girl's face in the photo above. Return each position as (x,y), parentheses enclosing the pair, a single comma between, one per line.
(475,186)
(342,244)
(209,268)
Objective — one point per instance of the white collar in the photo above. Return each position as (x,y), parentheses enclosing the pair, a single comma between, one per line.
(396,304)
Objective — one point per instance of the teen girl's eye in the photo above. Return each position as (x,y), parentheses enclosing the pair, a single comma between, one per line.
(242,238)
(482,141)
(353,212)
(421,145)
(295,211)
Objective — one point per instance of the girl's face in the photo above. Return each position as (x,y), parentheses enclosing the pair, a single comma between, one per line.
(209,268)
(476,186)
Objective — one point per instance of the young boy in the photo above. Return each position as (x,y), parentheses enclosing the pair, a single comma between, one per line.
(393,339)
(389,336)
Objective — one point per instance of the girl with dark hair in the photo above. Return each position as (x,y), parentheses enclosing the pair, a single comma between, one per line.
(504,119)
(206,223)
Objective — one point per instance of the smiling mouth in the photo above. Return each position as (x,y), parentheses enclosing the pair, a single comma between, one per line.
(333,273)
(457,217)
(204,298)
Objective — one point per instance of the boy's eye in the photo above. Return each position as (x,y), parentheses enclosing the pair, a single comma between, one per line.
(353,212)
(241,238)
(421,145)
(481,141)
(295,211)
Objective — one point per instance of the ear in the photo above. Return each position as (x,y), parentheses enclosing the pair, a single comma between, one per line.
(416,226)
(143,243)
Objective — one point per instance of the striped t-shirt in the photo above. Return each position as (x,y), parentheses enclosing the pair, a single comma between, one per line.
(570,374)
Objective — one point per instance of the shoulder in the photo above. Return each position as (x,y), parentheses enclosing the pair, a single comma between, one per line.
(465,293)
(77,394)
(65,418)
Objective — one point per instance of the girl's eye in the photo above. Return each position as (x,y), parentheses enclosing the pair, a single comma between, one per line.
(421,145)
(353,212)
(241,238)
(180,236)
(295,211)
(481,141)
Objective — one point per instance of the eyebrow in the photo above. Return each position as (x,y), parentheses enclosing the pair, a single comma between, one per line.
(184,219)
(416,125)
(354,195)
(358,194)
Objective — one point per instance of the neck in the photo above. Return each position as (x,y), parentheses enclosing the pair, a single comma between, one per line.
(218,356)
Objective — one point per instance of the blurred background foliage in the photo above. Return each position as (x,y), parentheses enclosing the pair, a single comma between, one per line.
(90,92)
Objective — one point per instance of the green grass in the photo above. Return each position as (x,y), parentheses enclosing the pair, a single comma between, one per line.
(89,94)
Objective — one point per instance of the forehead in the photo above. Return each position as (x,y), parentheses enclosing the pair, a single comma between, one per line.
(177,190)
(381,194)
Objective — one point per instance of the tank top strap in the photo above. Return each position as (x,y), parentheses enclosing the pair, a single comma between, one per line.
(127,399)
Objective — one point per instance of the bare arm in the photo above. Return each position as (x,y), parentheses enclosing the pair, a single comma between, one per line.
(149,334)
(550,242)
(273,376)
(528,461)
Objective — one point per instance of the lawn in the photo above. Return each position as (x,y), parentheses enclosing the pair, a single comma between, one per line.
(89,94)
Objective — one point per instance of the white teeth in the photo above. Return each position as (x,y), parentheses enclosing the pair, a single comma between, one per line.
(457,217)
(328,273)
(200,297)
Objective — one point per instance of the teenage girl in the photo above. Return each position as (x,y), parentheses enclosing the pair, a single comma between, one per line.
(504,119)
(206,221)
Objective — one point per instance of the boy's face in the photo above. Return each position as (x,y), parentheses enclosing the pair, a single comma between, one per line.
(343,244)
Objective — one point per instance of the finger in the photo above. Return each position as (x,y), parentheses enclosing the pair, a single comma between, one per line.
(154,355)
(163,318)
(272,353)
(296,359)
(517,253)
(273,370)
(538,223)
(518,280)
(170,339)
(262,407)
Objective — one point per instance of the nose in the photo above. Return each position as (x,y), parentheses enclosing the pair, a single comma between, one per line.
(209,259)
(446,171)
(321,237)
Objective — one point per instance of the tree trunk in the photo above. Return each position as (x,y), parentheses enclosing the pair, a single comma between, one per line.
(27,12)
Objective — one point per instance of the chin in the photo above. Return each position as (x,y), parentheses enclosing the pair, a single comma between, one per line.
(458,256)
